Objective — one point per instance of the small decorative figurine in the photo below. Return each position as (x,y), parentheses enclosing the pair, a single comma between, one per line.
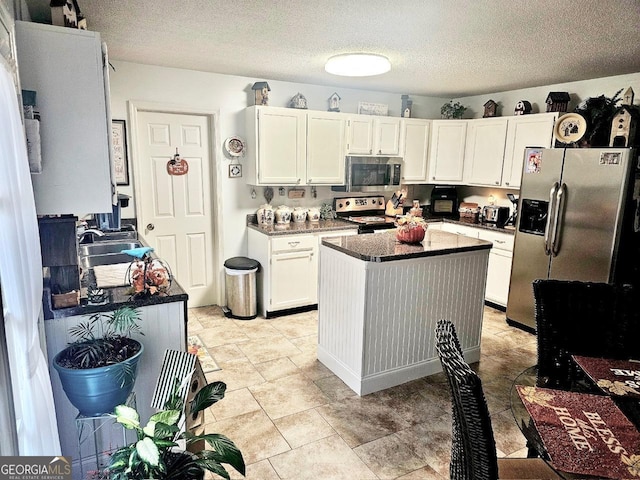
(627,98)
(261,90)
(557,101)
(522,108)
(406,106)
(334,102)
(490,109)
(298,101)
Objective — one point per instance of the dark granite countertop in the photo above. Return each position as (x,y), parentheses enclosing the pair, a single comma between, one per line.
(292,228)
(383,247)
(484,226)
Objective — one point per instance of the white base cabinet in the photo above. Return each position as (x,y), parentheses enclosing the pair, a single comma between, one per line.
(288,274)
(500,257)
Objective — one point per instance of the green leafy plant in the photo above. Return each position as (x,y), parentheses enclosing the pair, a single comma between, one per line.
(103,339)
(156,452)
(327,212)
(599,113)
(452,110)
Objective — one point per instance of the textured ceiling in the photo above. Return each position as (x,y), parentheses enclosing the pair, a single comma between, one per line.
(440,48)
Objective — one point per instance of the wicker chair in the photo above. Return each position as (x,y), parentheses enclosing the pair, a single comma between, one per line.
(473,447)
(582,318)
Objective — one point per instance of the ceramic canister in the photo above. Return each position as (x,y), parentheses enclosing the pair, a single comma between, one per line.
(283,214)
(299,214)
(313,214)
(265,214)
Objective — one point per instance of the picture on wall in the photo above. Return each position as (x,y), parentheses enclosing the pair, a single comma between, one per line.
(119,142)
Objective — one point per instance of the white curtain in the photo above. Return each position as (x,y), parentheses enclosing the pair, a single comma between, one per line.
(21,277)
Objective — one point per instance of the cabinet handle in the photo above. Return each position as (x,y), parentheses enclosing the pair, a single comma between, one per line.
(506,183)
(293,244)
(298,180)
(500,241)
(497,183)
(370,152)
(379,152)
(309,180)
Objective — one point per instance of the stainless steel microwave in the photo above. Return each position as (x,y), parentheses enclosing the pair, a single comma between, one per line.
(371,174)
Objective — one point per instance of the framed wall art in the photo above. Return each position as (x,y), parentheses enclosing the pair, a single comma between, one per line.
(119,145)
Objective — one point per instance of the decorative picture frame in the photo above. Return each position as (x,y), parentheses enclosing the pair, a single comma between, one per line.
(366,108)
(235,170)
(119,145)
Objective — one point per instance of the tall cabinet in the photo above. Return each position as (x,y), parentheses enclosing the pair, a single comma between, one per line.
(67,68)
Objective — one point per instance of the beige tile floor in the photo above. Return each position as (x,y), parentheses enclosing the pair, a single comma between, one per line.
(292,418)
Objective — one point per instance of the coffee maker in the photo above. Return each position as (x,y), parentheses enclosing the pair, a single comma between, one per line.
(514,216)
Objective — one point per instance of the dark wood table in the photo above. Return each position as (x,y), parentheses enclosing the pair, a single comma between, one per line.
(581,384)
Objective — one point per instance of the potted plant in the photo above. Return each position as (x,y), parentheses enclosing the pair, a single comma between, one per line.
(599,113)
(98,370)
(452,109)
(156,452)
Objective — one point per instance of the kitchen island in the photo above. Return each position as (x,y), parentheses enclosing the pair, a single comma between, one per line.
(379,301)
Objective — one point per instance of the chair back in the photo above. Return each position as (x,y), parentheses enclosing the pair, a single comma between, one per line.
(473,448)
(582,318)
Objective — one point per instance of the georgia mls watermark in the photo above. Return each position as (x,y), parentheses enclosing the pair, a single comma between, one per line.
(35,468)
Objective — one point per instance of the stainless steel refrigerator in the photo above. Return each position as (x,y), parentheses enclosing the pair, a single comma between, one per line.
(578,219)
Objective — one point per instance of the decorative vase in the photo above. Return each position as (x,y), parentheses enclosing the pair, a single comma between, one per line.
(410,233)
(94,391)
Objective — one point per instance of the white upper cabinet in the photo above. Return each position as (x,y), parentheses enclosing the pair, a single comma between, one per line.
(326,147)
(367,135)
(276,146)
(446,152)
(486,139)
(66,69)
(414,147)
(525,131)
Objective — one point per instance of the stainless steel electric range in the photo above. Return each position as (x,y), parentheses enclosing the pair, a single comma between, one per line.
(366,212)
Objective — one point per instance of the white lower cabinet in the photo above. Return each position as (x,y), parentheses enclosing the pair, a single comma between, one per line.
(288,277)
(500,256)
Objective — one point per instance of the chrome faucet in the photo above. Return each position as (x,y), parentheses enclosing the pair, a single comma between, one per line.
(89,231)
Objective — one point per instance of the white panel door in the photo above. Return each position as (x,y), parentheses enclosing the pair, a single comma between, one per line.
(177,218)
(281,146)
(415,146)
(446,154)
(326,147)
(360,135)
(484,156)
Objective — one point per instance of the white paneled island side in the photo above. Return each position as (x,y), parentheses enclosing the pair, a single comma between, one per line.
(379,301)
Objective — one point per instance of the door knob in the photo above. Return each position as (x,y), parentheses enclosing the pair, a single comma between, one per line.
(150,226)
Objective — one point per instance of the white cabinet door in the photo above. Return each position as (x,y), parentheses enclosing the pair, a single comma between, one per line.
(498,276)
(484,156)
(460,229)
(386,132)
(446,153)
(65,67)
(359,135)
(277,146)
(525,131)
(294,279)
(326,148)
(414,141)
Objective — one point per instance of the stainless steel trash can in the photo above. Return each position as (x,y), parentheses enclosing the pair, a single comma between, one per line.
(240,287)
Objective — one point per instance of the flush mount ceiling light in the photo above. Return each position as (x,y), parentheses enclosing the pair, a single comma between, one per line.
(357,65)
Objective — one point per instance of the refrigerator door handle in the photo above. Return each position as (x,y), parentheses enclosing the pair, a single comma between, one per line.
(557,225)
(550,214)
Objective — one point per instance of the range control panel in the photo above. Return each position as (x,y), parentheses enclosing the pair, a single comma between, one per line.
(358,204)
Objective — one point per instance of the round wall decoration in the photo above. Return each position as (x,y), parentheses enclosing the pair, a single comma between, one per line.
(570,128)
(234,146)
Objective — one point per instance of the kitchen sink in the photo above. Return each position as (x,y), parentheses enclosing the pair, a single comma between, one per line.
(100,248)
(111,236)
(105,253)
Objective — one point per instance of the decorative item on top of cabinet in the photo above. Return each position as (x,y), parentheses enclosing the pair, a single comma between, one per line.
(627,97)
(406,106)
(523,107)
(598,113)
(298,101)
(624,127)
(490,109)
(366,108)
(66,13)
(334,102)
(452,109)
(557,101)
(261,90)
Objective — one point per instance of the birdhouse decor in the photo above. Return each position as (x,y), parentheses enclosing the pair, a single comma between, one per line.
(261,90)
(334,102)
(624,127)
(490,109)
(522,108)
(406,106)
(557,101)
(298,101)
(627,98)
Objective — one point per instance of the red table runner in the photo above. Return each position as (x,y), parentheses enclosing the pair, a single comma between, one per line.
(584,434)
(614,377)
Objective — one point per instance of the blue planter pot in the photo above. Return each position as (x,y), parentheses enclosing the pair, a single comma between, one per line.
(95,391)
